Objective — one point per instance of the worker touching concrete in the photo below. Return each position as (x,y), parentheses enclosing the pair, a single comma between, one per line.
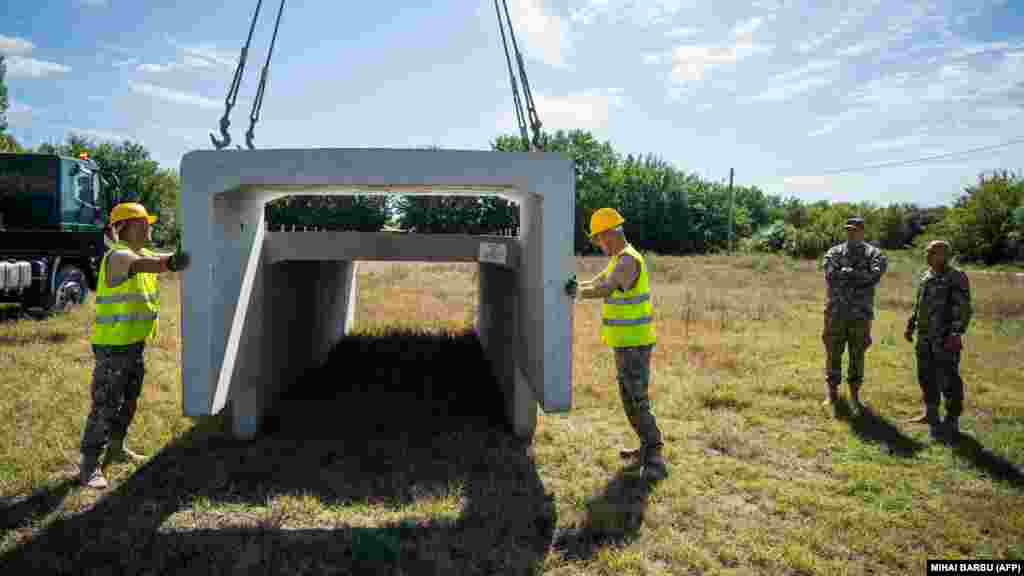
(627,326)
(127,306)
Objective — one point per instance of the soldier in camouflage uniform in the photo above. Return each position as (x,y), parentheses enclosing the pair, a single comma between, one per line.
(942,312)
(852,270)
(627,328)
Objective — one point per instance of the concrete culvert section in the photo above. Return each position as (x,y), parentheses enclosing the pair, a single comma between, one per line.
(261,309)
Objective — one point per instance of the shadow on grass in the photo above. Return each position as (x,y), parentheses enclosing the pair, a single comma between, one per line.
(967,448)
(613,518)
(15,512)
(387,422)
(874,428)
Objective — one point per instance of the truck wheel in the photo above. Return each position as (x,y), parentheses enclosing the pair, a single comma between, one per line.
(71,289)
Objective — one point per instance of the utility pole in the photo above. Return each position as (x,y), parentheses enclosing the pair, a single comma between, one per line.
(730,209)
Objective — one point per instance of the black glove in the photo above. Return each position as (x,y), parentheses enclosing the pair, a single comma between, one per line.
(570,287)
(178,261)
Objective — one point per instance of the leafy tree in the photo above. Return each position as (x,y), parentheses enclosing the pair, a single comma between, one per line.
(980,223)
(4,103)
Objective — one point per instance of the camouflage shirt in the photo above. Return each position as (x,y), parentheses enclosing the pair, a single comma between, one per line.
(851,296)
(943,303)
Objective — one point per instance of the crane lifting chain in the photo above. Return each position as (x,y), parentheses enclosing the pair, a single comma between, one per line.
(257,104)
(531,110)
(229,103)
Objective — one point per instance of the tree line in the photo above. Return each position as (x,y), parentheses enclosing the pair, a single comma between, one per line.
(667,210)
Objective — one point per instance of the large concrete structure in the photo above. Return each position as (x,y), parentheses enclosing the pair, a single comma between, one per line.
(259,308)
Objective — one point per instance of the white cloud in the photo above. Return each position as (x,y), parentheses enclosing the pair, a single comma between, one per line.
(13,46)
(859,48)
(173,95)
(893,144)
(682,32)
(157,68)
(588,110)
(814,186)
(833,123)
(23,67)
(101,134)
(975,49)
(539,32)
(640,13)
(191,57)
(828,128)
(746,29)
(207,55)
(691,63)
(812,75)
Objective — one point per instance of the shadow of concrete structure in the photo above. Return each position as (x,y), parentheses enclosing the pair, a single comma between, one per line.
(18,511)
(383,439)
(874,428)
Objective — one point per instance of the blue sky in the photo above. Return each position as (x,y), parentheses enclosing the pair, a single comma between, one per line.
(781,91)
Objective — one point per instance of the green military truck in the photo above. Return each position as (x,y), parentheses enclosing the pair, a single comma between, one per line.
(53,213)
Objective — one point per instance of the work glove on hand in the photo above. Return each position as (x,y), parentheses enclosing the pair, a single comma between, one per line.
(178,261)
(953,343)
(570,287)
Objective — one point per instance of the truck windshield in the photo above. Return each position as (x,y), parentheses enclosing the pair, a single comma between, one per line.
(29,186)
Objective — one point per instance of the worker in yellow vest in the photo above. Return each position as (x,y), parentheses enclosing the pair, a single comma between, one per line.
(627,326)
(127,305)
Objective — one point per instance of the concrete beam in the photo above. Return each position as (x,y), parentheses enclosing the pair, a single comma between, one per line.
(333,245)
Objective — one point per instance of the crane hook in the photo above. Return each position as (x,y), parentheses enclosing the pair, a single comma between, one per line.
(226,140)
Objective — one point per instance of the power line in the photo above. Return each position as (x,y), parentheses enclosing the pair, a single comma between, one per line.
(922,159)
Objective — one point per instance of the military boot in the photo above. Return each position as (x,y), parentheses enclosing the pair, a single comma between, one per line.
(90,473)
(930,415)
(951,428)
(833,396)
(855,397)
(118,452)
(654,467)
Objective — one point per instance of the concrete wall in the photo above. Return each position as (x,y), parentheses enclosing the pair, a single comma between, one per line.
(259,308)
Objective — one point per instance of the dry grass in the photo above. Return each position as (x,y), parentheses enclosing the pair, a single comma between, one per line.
(389,461)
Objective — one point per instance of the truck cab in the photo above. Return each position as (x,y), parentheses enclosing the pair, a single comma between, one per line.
(53,212)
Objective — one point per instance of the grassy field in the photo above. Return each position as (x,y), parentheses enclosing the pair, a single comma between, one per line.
(390,458)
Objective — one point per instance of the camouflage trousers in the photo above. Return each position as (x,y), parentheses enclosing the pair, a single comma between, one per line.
(838,336)
(938,374)
(633,368)
(116,385)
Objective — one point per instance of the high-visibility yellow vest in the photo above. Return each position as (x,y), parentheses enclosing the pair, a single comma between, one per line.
(627,318)
(126,314)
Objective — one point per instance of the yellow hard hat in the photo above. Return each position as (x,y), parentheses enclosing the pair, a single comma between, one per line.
(604,219)
(130,211)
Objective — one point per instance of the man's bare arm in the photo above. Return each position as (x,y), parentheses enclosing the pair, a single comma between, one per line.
(126,264)
(622,277)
